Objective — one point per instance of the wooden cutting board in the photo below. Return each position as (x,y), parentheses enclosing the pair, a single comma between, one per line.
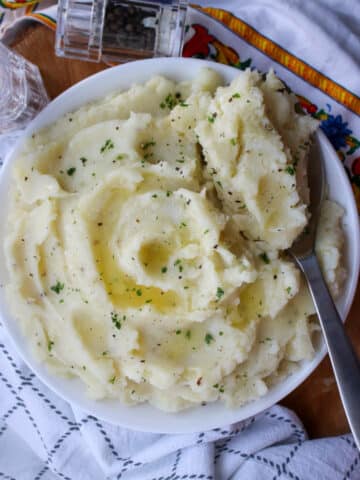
(316,401)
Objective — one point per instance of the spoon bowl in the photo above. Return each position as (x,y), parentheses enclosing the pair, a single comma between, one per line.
(304,244)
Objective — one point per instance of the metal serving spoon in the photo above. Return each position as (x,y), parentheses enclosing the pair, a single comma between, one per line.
(344,361)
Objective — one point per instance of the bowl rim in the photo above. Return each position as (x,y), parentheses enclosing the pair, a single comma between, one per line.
(182,424)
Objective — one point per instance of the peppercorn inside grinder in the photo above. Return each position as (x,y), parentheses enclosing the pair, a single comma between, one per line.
(117,31)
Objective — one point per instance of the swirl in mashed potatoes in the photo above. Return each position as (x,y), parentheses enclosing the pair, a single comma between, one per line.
(146,237)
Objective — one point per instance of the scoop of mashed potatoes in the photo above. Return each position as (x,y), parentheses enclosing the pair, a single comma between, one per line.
(146,236)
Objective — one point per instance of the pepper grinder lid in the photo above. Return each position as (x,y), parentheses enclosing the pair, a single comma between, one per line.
(80,29)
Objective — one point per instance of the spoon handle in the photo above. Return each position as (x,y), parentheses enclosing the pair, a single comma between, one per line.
(344,361)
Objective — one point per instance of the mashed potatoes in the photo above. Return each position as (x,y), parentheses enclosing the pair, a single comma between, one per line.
(146,236)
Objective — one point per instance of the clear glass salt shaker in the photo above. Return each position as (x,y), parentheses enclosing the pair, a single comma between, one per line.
(23,94)
(116,31)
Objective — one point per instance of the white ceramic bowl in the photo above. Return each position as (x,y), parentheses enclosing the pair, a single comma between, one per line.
(145,417)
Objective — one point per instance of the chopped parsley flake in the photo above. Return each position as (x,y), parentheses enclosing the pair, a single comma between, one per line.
(212,117)
(121,156)
(83,160)
(209,338)
(268,339)
(233,141)
(168,193)
(164,270)
(112,380)
(146,145)
(115,320)
(288,290)
(290,170)
(264,257)
(177,262)
(171,101)
(71,171)
(188,334)
(50,345)
(139,292)
(236,95)
(108,145)
(178,332)
(57,287)
(219,292)
(206,231)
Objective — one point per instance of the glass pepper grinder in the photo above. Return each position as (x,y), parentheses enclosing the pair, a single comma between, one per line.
(116,31)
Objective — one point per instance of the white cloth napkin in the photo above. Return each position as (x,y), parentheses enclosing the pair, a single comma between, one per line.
(42,437)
